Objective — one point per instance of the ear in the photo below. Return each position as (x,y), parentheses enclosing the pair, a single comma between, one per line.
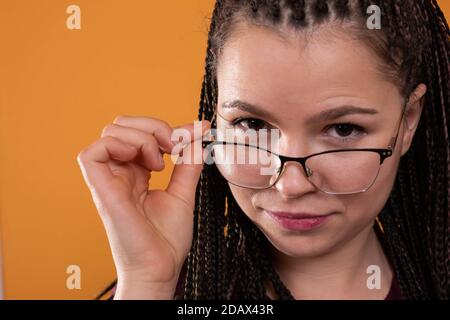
(412,115)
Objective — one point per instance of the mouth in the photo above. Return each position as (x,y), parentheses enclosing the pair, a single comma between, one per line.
(298,220)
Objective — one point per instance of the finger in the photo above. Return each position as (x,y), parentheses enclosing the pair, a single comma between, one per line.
(92,159)
(191,129)
(160,129)
(150,155)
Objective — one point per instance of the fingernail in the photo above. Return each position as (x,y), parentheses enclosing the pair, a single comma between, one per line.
(160,159)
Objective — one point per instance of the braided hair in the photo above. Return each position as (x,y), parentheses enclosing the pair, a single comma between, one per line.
(229,255)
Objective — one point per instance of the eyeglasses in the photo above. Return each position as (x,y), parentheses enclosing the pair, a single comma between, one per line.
(338,171)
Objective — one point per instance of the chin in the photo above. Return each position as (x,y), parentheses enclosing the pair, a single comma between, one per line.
(299,246)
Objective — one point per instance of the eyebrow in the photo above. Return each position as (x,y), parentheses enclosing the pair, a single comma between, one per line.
(326,115)
(247,107)
(335,113)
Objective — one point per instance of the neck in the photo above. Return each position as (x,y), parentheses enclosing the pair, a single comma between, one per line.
(338,274)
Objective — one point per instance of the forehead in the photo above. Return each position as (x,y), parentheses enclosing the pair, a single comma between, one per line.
(300,68)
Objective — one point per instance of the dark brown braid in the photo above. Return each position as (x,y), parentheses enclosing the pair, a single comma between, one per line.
(229,256)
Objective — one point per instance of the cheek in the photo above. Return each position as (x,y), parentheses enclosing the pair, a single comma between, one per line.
(243,198)
(366,206)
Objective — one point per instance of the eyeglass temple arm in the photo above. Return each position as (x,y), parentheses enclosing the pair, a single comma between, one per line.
(393,141)
(209,138)
(213,118)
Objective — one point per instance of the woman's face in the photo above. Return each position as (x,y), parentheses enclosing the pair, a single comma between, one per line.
(290,81)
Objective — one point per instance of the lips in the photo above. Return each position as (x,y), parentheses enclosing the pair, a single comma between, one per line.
(299,221)
(296,215)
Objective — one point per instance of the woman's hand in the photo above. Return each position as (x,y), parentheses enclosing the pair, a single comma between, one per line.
(149,231)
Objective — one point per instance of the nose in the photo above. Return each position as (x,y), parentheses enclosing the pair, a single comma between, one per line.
(293,181)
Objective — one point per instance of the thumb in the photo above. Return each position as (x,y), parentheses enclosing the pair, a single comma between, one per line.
(187,170)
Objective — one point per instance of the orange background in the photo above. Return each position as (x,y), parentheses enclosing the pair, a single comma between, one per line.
(58,89)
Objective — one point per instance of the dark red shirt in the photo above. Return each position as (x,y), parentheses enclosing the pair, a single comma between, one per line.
(394,292)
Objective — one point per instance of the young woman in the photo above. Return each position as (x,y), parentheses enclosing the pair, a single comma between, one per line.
(361,186)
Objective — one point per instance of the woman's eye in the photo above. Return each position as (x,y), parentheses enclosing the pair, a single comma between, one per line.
(345,131)
(250,123)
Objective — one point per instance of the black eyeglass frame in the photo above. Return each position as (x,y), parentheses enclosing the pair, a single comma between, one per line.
(383,153)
